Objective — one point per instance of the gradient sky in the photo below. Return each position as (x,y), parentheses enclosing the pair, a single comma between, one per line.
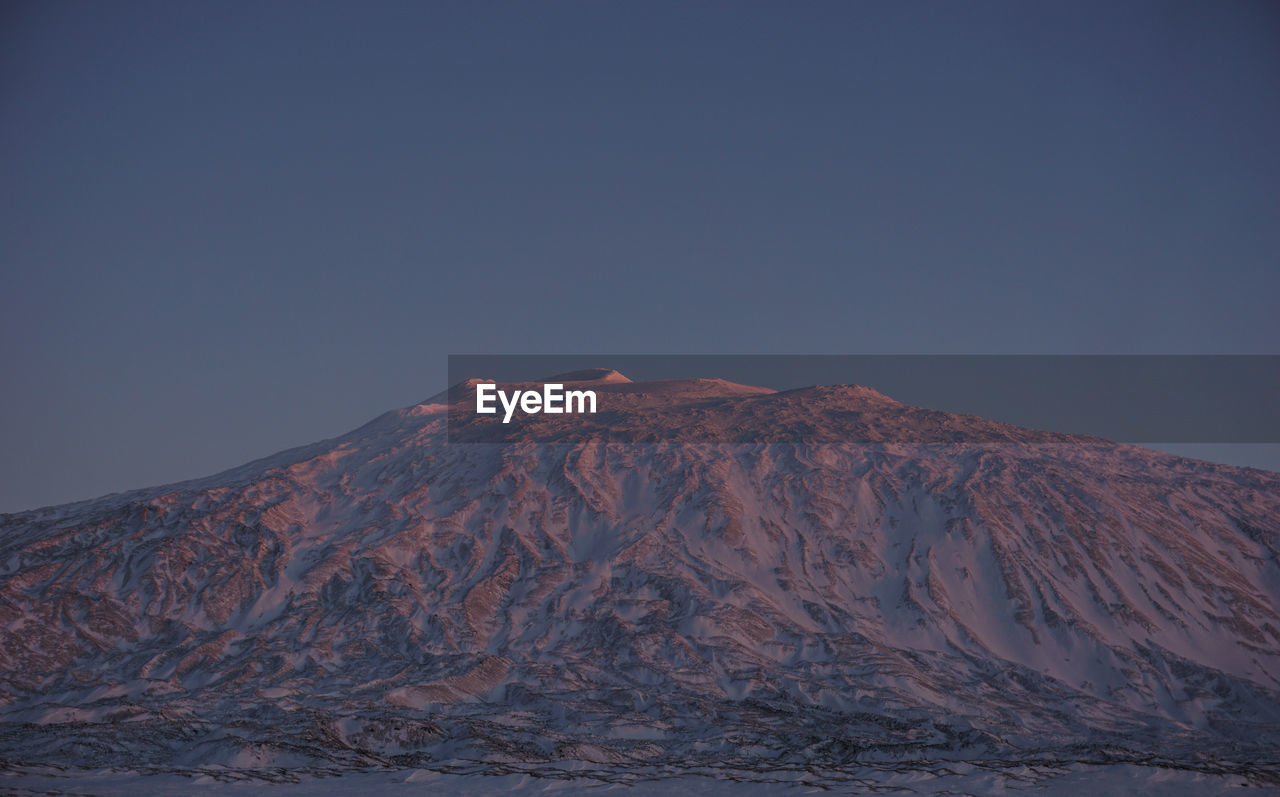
(227,228)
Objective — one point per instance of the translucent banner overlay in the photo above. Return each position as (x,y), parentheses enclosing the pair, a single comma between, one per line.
(1129,398)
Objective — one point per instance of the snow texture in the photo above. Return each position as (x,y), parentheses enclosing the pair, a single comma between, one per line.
(1029,611)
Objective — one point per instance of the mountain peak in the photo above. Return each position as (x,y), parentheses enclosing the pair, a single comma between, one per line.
(604,375)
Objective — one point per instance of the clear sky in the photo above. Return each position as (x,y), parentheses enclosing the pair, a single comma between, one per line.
(227,228)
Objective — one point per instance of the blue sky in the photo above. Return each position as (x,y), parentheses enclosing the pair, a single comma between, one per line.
(230,228)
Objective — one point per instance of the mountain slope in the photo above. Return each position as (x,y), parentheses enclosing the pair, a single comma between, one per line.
(390,598)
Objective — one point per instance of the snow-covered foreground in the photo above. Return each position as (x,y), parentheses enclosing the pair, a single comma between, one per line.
(916,778)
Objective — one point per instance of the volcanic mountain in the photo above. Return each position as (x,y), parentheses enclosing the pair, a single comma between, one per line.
(703,574)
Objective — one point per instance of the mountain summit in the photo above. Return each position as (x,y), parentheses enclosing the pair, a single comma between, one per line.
(604,375)
(742,582)
(719,411)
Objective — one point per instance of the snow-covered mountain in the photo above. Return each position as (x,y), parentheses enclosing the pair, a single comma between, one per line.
(393,599)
